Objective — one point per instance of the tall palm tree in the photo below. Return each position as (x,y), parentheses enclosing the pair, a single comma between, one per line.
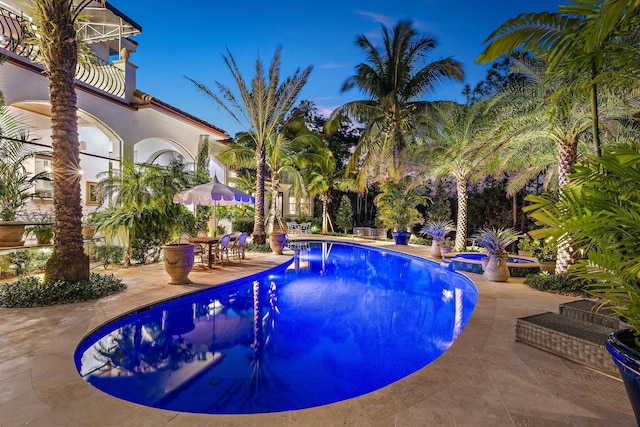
(455,128)
(263,106)
(287,154)
(566,41)
(56,21)
(393,80)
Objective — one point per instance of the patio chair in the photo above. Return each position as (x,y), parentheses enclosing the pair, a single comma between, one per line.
(238,247)
(222,249)
(305,227)
(293,228)
(198,249)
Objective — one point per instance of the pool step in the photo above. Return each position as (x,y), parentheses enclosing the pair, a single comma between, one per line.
(576,333)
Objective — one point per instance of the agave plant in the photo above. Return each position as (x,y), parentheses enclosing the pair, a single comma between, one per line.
(438,228)
(496,240)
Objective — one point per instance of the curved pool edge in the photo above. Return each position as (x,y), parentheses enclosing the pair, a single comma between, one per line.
(434,392)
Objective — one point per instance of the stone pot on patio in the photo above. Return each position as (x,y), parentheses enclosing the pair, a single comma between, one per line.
(626,356)
(277,242)
(11,233)
(495,268)
(178,262)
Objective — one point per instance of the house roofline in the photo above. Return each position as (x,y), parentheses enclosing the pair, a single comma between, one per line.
(150,101)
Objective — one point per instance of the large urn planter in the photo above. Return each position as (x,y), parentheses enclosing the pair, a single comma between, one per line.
(495,268)
(434,251)
(277,242)
(626,356)
(178,262)
(11,233)
(401,237)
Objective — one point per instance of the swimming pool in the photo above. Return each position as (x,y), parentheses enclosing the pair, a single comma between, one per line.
(338,321)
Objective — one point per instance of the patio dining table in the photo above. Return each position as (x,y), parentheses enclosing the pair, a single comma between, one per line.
(211,241)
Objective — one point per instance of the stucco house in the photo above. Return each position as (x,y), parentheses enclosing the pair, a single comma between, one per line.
(115,118)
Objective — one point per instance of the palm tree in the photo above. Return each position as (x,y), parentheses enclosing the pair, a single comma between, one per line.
(263,106)
(455,128)
(566,41)
(394,80)
(56,22)
(288,153)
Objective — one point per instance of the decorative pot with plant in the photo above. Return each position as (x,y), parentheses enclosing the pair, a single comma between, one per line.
(277,242)
(396,206)
(178,260)
(15,182)
(598,212)
(437,229)
(495,242)
(528,246)
(41,225)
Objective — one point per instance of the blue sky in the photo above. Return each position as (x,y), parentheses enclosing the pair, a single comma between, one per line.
(190,40)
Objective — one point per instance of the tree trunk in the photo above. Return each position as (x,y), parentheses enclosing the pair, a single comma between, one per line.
(273,211)
(259,235)
(325,213)
(567,154)
(461,227)
(594,113)
(68,261)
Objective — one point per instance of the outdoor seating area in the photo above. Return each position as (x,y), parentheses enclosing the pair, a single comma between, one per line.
(213,250)
(298,229)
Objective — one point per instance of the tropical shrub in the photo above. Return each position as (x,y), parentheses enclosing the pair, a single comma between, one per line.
(344,216)
(559,284)
(32,291)
(496,240)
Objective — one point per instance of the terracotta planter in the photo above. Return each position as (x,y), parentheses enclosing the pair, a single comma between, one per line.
(495,268)
(548,266)
(277,242)
(434,252)
(11,233)
(178,262)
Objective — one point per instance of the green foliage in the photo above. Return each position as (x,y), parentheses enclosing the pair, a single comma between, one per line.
(446,243)
(15,182)
(561,284)
(255,247)
(111,253)
(420,241)
(31,260)
(42,226)
(397,204)
(241,225)
(33,292)
(529,244)
(440,205)
(598,212)
(344,216)
(496,240)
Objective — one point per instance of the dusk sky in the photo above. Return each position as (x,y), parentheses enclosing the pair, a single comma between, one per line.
(190,41)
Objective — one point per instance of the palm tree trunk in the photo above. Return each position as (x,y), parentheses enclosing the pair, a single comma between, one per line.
(273,211)
(594,113)
(325,213)
(461,227)
(68,262)
(259,235)
(567,153)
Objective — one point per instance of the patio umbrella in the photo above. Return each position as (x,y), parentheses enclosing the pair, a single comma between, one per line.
(214,194)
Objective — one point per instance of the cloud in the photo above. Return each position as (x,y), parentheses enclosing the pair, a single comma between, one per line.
(376,17)
(331,66)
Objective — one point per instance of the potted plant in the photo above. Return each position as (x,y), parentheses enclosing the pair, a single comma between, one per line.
(16,183)
(396,206)
(178,259)
(528,246)
(495,242)
(598,212)
(41,225)
(437,229)
(446,246)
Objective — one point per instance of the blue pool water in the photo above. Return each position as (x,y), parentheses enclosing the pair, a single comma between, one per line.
(338,321)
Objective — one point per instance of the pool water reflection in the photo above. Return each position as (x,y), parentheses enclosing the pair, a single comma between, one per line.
(339,321)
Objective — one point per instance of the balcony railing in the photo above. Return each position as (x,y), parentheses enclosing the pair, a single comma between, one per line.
(15,31)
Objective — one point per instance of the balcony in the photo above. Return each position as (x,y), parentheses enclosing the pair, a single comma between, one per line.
(16,30)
